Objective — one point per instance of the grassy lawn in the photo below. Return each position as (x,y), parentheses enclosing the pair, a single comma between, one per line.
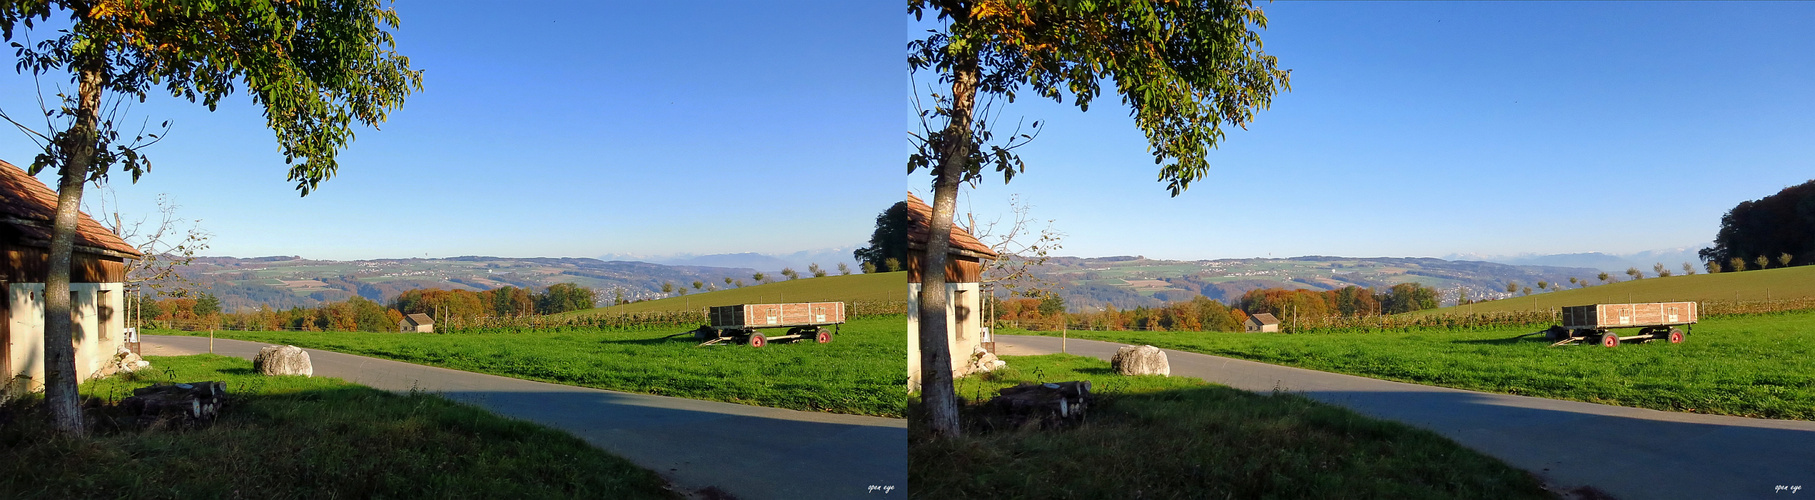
(859,372)
(1179,437)
(1752,366)
(297,437)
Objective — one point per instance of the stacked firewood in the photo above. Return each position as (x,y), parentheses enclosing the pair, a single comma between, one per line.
(1051,404)
(192,403)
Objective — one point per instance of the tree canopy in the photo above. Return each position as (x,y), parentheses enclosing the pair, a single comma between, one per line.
(888,241)
(1783,223)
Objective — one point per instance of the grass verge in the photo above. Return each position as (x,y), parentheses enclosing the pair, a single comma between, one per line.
(298,437)
(1179,437)
(859,372)
(1759,366)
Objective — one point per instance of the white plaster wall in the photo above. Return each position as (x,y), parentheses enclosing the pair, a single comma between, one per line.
(964,321)
(96,331)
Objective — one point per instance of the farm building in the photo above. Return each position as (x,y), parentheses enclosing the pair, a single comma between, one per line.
(97,275)
(1262,322)
(418,322)
(963,283)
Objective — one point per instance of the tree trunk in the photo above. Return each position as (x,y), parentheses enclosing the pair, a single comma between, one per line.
(936,393)
(60,378)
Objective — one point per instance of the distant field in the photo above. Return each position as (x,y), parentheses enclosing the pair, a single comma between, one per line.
(1750,366)
(1781,283)
(861,372)
(1179,437)
(855,287)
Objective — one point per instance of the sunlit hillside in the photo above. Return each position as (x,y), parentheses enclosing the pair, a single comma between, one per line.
(1781,283)
(851,288)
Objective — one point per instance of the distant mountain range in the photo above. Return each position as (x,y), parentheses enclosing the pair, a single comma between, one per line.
(828,258)
(1672,259)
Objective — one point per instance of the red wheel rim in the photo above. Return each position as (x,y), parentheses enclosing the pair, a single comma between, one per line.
(825,337)
(758,341)
(1610,341)
(1676,337)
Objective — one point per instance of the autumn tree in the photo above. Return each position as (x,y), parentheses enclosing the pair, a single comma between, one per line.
(316,68)
(1761,260)
(1688,269)
(1736,264)
(844,269)
(1635,273)
(817,272)
(1183,68)
(1512,287)
(1660,270)
(790,273)
(1713,267)
(1783,259)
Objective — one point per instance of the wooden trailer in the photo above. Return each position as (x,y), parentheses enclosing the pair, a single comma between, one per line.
(739,323)
(1669,321)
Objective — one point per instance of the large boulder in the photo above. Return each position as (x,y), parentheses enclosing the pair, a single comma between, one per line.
(283,360)
(1143,360)
(982,361)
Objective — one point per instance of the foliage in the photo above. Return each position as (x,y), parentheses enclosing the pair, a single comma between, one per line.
(1179,437)
(304,437)
(1183,68)
(888,241)
(563,297)
(1782,223)
(1709,289)
(859,372)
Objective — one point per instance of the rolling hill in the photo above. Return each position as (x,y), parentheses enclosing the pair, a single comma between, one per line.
(852,288)
(1781,283)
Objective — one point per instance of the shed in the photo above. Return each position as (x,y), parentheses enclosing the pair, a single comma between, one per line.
(964,265)
(1262,322)
(97,275)
(416,322)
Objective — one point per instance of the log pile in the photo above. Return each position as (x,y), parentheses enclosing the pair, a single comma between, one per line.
(1051,404)
(192,403)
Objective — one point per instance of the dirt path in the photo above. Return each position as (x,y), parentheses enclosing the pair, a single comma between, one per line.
(751,452)
(1631,453)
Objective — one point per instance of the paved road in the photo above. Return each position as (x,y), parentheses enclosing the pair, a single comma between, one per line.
(1631,453)
(751,452)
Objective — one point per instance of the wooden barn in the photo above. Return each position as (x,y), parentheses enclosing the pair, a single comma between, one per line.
(97,284)
(417,322)
(963,283)
(1262,322)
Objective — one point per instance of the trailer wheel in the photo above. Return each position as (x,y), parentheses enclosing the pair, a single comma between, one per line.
(1610,339)
(756,340)
(1676,336)
(824,336)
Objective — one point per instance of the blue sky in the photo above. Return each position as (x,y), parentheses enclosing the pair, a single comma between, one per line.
(575,129)
(1429,129)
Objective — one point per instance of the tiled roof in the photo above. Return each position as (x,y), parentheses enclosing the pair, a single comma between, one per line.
(920,217)
(420,319)
(1265,318)
(29,207)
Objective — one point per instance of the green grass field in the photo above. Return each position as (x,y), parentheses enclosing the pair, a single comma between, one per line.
(851,288)
(1179,437)
(297,437)
(860,372)
(1751,366)
(1780,283)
